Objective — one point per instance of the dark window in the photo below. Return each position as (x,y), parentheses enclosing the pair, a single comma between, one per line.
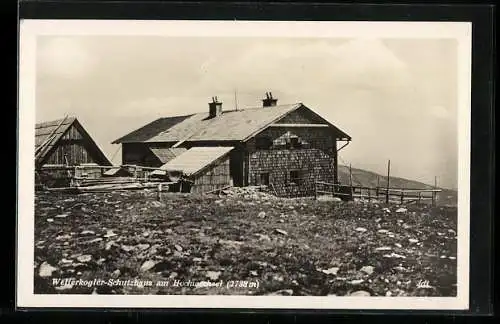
(293,142)
(263,143)
(295,176)
(264,179)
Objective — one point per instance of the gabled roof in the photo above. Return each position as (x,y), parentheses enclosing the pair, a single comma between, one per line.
(233,125)
(152,129)
(195,159)
(48,134)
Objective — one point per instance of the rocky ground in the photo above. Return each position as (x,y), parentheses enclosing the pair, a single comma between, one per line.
(243,242)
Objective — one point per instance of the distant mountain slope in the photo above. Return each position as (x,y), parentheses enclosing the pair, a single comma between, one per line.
(369,179)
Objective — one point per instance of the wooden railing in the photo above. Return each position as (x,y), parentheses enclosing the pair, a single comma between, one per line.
(392,195)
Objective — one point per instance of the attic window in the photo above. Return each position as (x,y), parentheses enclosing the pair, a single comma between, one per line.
(293,142)
(263,143)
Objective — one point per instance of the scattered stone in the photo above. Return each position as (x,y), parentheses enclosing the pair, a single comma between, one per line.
(65,262)
(387,210)
(116,273)
(87,232)
(109,245)
(127,248)
(394,255)
(401,210)
(157,204)
(84,258)
(50,220)
(109,233)
(382,231)
(451,258)
(413,240)
(61,216)
(367,269)
(148,265)
(361,229)
(356,281)
(97,239)
(282,232)
(360,293)
(263,237)
(63,237)
(383,248)
(261,214)
(197,259)
(46,270)
(213,275)
(388,293)
(332,270)
(143,247)
(398,245)
(254,273)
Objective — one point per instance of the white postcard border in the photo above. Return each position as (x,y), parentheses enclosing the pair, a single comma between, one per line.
(30,29)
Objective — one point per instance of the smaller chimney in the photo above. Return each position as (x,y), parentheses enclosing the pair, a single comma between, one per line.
(215,108)
(269,101)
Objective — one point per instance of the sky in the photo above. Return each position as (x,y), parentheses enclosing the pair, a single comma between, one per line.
(396,98)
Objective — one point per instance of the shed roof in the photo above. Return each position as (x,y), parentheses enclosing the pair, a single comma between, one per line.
(167,154)
(196,159)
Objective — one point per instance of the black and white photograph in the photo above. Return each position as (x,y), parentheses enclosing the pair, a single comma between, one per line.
(234,164)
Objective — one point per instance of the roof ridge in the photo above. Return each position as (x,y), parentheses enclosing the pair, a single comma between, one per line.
(55,122)
(235,110)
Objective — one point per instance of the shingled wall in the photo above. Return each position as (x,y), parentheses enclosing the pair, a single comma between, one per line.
(314,161)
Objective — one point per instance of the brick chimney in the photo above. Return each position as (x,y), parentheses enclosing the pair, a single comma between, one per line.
(269,101)
(215,108)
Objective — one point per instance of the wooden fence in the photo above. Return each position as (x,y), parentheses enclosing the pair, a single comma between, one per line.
(389,195)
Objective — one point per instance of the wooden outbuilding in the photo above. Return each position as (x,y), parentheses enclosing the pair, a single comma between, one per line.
(63,147)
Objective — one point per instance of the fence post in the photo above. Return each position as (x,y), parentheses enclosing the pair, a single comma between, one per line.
(388,181)
(419,197)
(378,185)
(315,190)
(434,193)
(402,195)
(350,182)
(159,191)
